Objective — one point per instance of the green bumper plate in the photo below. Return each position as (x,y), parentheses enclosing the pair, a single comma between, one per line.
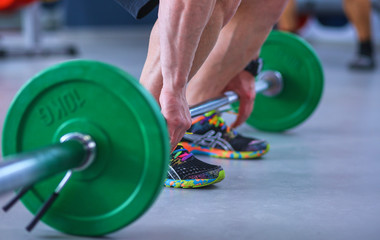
(303,83)
(131,136)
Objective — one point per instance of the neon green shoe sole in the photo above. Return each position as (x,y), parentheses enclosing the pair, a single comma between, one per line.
(194,183)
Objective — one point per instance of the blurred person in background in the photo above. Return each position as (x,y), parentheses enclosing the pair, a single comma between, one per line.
(359,14)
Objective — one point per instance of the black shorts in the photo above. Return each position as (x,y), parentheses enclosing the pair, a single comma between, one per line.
(138,8)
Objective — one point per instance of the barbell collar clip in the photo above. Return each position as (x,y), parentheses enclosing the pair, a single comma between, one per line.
(17,197)
(89,146)
(45,207)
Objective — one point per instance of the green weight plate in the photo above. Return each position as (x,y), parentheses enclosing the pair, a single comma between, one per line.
(131,136)
(303,83)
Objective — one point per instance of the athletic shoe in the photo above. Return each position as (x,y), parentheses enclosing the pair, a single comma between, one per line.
(209,135)
(186,171)
(362,62)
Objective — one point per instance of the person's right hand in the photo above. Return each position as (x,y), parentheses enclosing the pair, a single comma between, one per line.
(243,84)
(175,109)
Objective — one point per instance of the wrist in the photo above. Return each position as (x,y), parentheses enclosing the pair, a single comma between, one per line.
(174,80)
(176,89)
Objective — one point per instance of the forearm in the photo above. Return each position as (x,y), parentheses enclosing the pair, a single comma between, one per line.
(181,23)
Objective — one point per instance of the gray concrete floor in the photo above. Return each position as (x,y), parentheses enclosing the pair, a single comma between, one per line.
(320,180)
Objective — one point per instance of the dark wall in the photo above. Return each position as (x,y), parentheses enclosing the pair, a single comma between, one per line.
(101,13)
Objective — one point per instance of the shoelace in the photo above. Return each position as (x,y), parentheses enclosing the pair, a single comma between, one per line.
(181,153)
(214,119)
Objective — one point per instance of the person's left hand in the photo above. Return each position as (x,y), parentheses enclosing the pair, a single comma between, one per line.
(243,84)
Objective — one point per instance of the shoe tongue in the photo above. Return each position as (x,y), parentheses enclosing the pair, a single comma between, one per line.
(222,126)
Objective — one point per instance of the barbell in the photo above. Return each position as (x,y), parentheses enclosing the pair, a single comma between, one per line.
(88,132)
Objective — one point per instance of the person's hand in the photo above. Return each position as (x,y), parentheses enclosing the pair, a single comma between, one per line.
(243,84)
(175,109)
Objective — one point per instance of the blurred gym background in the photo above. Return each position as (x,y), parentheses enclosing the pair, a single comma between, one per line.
(34,25)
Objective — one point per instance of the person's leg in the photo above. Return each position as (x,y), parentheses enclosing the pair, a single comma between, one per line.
(239,42)
(359,14)
(288,19)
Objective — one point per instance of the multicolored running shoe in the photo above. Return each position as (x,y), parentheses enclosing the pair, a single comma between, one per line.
(209,135)
(186,171)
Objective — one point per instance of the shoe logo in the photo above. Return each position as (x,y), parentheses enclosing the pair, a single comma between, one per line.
(210,139)
(173,174)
